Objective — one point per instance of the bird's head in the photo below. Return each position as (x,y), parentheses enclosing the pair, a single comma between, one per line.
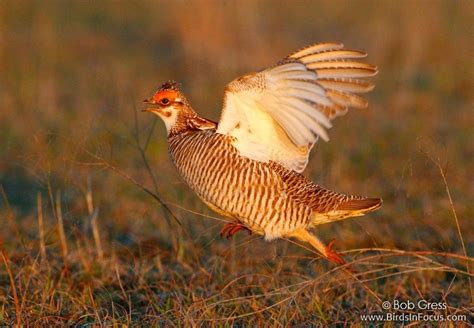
(169,104)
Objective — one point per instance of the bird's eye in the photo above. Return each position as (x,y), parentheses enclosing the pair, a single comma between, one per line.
(164,101)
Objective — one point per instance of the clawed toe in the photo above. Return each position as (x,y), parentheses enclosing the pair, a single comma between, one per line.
(332,255)
(232,228)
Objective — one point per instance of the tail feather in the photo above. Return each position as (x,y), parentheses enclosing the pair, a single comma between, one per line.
(365,205)
(347,209)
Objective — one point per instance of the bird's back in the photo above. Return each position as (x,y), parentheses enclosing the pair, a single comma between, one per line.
(266,197)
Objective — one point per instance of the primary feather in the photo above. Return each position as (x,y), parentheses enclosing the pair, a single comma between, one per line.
(279,113)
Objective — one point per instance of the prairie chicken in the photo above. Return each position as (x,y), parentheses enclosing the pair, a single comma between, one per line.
(248,166)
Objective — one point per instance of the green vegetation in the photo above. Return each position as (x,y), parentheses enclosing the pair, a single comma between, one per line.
(82,244)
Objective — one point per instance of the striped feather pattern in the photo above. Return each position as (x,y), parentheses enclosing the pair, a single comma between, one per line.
(247,167)
(266,197)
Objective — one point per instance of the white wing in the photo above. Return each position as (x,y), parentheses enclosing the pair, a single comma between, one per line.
(279,113)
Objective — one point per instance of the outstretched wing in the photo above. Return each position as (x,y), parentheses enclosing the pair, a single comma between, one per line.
(279,113)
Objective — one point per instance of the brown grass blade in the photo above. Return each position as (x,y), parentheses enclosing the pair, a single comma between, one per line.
(39,204)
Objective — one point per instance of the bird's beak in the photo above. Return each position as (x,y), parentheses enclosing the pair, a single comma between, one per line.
(149,101)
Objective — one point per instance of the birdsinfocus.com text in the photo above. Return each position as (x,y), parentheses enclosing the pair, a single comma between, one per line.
(398,306)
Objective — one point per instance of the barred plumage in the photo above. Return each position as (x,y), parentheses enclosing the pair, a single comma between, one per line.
(248,166)
(266,197)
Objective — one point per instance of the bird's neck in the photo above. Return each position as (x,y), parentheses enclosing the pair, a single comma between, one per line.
(188,121)
(181,123)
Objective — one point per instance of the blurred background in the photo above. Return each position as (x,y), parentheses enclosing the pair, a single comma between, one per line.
(74,74)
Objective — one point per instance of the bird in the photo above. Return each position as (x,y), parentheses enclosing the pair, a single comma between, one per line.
(248,166)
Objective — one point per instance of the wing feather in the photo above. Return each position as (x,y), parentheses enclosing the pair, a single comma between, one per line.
(294,127)
(331,55)
(347,100)
(309,123)
(296,75)
(346,85)
(279,113)
(307,95)
(351,72)
(289,67)
(304,107)
(320,47)
(340,64)
(310,86)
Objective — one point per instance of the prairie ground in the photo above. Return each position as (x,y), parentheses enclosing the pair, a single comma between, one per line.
(83,243)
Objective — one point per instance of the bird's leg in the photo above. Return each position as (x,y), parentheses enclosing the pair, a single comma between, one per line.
(326,251)
(231,228)
(332,255)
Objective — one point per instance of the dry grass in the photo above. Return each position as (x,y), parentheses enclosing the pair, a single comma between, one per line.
(99,230)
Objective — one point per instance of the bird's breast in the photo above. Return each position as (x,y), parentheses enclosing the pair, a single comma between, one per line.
(235,186)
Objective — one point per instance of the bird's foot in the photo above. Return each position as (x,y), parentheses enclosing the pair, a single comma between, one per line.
(332,255)
(231,228)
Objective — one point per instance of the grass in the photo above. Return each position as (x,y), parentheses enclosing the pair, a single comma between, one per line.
(98,229)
